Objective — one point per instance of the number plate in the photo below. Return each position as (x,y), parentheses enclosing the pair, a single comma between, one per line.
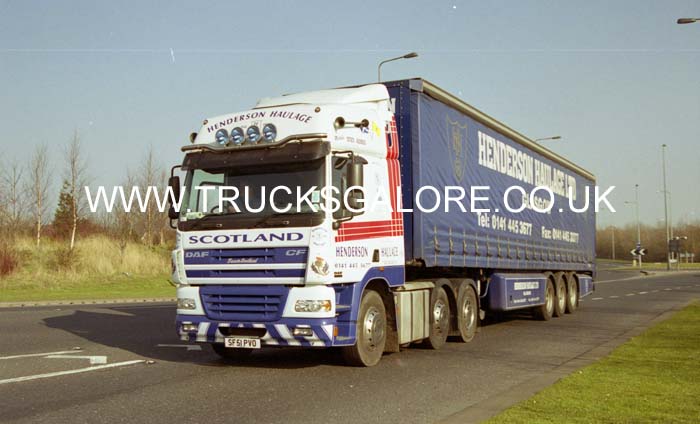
(242,342)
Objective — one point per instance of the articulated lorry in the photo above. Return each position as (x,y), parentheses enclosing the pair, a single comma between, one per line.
(437,215)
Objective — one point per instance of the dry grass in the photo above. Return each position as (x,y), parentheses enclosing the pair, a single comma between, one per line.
(52,265)
(8,259)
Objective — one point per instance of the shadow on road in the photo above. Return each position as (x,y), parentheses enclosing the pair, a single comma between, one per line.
(140,329)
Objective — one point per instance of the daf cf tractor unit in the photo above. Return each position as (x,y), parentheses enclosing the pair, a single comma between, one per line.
(369,218)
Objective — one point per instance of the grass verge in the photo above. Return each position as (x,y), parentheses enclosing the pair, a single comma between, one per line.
(652,378)
(112,287)
(98,268)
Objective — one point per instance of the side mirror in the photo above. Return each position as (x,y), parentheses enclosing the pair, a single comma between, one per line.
(356,171)
(174,184)
(355,201)
(356,177)
(172,213)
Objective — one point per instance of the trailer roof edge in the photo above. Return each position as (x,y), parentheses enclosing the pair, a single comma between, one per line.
(432,90)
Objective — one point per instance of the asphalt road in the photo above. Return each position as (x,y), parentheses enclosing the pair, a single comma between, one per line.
(190,385)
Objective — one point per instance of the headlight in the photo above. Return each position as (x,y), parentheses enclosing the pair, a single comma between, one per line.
(312,306)
(186,303)
(221,137)
(253,133)
(269,133)
(237,136)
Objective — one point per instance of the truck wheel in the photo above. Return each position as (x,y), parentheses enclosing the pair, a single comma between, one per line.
(230,354)
(544,312)
(371,332)
(559,295)
(439,319)
(571,294)
(467,313)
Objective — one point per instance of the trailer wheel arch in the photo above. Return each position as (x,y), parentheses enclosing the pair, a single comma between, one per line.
(381,286)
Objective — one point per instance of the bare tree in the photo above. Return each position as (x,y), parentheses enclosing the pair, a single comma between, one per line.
(162,217)
(123,222)
(38,188)
(3,207)
(150,175)
(76,177)
(13,198)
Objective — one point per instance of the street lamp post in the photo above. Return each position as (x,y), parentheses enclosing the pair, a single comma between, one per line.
(682,21)
(636,212)
(668,234)
(670,215)
(406,56)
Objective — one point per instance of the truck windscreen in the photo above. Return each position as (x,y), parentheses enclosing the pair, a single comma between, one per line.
(253,196)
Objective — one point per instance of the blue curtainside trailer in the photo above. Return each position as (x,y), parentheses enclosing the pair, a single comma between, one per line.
(527,213)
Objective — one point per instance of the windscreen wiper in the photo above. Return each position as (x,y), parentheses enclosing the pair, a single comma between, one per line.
(203,219)
(264,220)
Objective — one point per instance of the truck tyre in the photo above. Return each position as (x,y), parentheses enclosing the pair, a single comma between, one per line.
(370,333)
(559,295)
(467,313)
(571,294)
(230,354)
(439,315)
(544,312)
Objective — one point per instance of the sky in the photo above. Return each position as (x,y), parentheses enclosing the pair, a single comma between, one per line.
(616,79)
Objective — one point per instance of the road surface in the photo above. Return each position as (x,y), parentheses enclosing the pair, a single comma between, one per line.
(111,378)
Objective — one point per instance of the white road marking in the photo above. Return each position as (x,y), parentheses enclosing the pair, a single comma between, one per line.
(614,297)
(668,289)
(643,292)
(597,298)
(94,360)
(629,294)
(636,277)
(188,346)
(78,371)
(31,355)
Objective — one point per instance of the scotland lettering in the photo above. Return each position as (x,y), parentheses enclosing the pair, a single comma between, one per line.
(244,238)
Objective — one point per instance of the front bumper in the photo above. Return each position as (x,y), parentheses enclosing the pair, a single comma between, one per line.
(277,333)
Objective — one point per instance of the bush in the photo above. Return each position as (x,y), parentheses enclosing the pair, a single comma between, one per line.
(8,260)
(65,258)
(94,258)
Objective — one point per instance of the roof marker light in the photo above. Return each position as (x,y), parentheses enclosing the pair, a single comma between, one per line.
(269,133)
(253,133)
(237,136)
(221,137)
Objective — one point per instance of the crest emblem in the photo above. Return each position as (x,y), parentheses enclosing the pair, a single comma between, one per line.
(320,266)
(457,138)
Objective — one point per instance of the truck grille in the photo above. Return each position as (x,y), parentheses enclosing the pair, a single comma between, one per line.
(287,265)
(243,303)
